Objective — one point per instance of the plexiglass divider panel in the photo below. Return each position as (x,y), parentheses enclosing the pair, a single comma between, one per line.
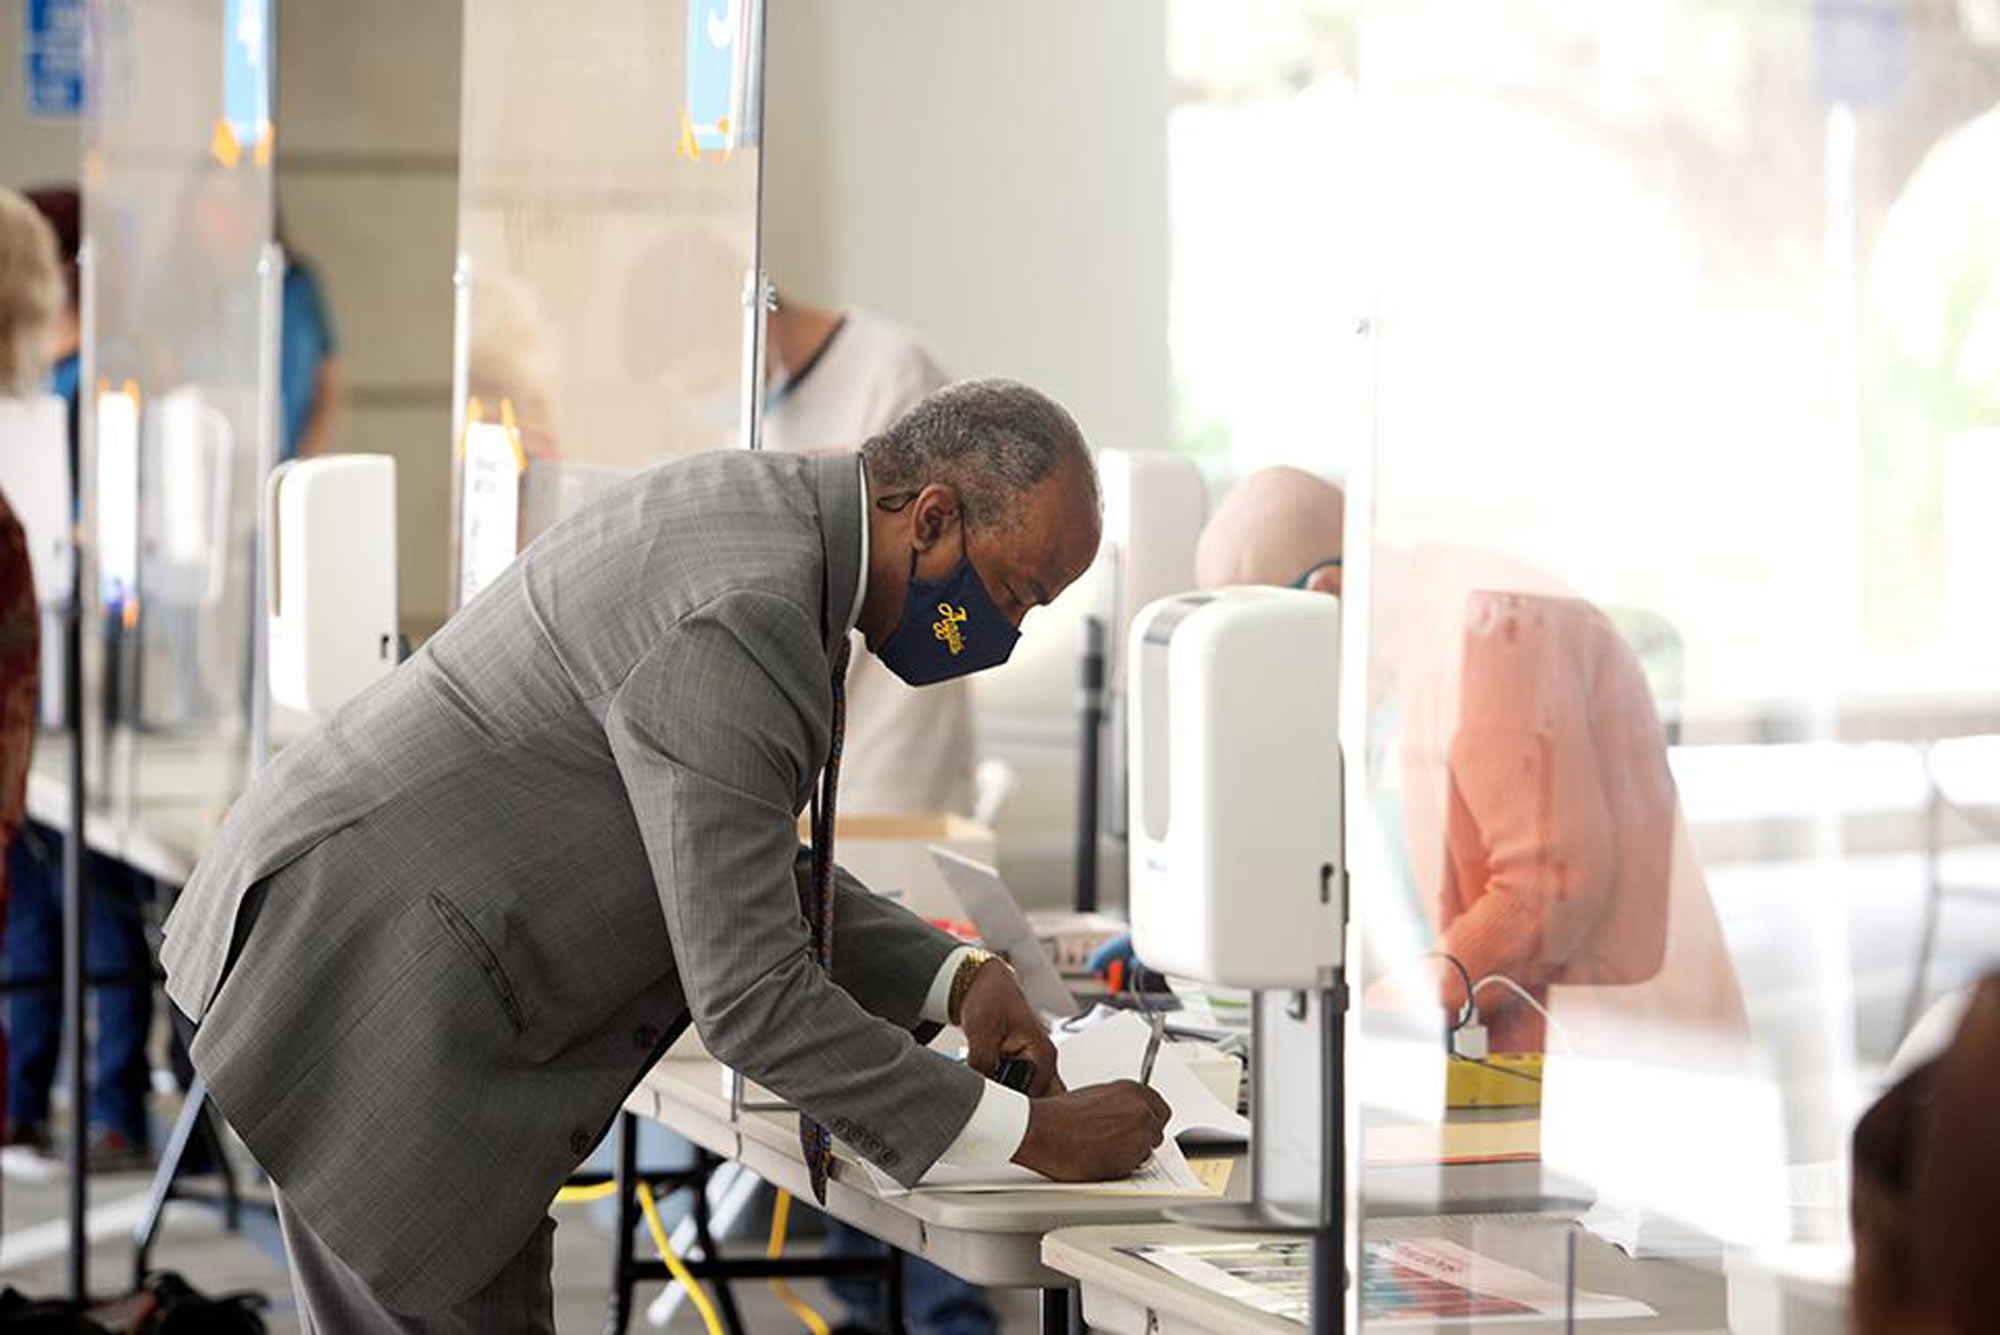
(607,224)
(1662,550)
(177,412)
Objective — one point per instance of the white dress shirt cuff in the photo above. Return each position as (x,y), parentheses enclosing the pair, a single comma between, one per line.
(999,1121)
(994,1132)
(937,1002)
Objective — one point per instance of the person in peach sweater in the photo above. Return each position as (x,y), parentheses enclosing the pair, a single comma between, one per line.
(1539,825)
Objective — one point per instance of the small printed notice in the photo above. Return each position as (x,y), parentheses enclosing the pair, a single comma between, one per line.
(1406,1281)
(489,506)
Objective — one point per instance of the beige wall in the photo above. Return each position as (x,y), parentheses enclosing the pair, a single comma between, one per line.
(993,175)
(368,110)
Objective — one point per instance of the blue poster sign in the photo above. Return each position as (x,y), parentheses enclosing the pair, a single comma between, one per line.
(714,31)
(54,55)
(246,71)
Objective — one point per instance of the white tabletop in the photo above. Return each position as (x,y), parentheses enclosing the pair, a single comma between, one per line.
(990,1238)
(154,803)
(994,1238)
(1124,1295)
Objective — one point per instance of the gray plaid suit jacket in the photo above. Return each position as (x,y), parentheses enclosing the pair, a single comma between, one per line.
(441,937)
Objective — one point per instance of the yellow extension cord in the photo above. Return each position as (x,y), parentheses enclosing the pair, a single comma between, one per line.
(780,1220)
(578,1195)
(781,1213)
(674,1266)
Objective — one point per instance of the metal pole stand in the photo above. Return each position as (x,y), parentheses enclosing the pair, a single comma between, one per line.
(73,982)
(194,1126)
(1298,1145)
(1089,759)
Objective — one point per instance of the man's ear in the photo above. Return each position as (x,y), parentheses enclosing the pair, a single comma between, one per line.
(933,515)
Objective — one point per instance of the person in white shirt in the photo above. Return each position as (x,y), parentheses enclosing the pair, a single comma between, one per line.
(836,378)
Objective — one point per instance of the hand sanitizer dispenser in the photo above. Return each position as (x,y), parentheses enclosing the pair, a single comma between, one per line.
(1237,877)
(332,591)
(1235,819)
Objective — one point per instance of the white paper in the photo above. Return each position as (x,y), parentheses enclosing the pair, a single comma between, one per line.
(1167,1173)
(1112,1046)
(489,507)
(1107,1046)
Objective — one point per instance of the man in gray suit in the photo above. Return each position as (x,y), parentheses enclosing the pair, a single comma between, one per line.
(441,938)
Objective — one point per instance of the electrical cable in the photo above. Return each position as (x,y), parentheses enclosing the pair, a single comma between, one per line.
(674,1267)
(1465,1010)
(601,1190)
(579,1195)
(781,1214)
(1523,993)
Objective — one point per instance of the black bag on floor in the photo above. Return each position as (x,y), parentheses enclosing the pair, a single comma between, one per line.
(166,1305)
(22,1315)
(185,1311)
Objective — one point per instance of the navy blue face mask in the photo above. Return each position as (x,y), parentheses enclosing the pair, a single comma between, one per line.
(950,627)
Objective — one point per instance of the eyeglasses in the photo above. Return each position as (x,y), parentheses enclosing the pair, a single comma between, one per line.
(1331,563)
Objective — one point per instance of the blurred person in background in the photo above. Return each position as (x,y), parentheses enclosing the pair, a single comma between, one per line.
(832,380)
(1539,824)
(62,208)
(31,303)
(309,382)
(114,935)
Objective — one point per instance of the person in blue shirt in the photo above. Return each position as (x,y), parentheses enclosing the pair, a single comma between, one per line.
(308,369)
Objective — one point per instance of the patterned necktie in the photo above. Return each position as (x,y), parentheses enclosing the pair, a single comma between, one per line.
(814,1142)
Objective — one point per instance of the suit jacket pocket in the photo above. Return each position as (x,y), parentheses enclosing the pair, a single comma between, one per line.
(468,937)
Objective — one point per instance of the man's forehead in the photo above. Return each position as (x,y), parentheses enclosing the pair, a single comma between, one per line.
(1044,561)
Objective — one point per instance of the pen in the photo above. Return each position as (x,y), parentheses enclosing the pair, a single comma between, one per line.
(1159,1021)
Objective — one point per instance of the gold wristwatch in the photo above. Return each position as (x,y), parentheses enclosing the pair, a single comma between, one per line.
(961,982)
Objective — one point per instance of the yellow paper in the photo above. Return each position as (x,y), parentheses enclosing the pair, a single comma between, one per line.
(1214,1173)
(1454,1142)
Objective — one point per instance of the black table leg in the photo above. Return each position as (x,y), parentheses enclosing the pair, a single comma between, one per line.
(1060,1314)
(894,1320)
(624,1173)
(725,1298)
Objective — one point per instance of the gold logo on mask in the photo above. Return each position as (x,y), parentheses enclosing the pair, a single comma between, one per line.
(946,628)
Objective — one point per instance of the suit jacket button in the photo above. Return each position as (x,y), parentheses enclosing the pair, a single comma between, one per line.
(645,1037)
(580,1143)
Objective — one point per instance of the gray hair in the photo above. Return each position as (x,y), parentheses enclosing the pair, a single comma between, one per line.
(31,293)
(992,441)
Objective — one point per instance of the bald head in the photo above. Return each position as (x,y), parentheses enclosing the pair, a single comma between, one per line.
(1274,526)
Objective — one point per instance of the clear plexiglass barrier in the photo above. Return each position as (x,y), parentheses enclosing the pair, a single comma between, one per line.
(1668,590)
(607,225)
(181,331)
